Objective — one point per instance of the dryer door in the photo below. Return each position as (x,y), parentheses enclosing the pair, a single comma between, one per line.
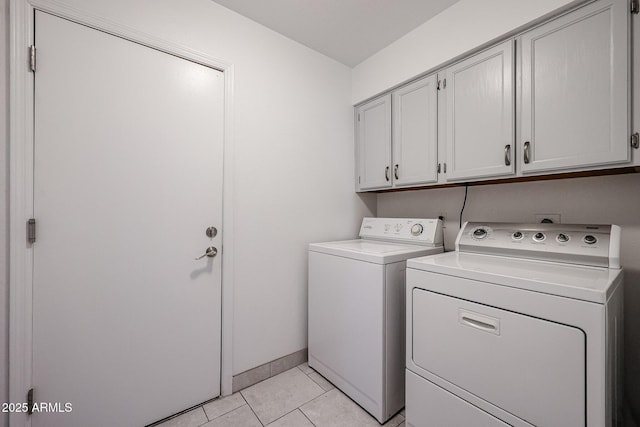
(532,368)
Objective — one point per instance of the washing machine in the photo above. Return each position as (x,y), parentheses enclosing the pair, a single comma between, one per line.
(521,325)
(356,309)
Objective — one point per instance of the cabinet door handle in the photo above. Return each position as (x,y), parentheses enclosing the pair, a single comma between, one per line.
(438,167)
(395,171)
(527,159)
(507,155)
(386,173)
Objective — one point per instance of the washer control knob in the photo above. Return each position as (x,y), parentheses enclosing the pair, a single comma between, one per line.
(562,238)
(417,229)
(517,235)
(590,239)
(539,237)
(480,233)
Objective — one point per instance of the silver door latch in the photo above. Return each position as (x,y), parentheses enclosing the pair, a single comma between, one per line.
(210,252)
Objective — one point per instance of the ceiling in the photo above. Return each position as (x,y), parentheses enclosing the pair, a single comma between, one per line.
(347,30)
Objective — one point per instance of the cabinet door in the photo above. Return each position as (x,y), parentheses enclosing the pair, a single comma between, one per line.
(575,90)
(415,133)
(374,144)
(480,115)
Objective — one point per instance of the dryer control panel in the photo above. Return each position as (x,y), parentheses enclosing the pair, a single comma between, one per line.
(413,231)
(594,245)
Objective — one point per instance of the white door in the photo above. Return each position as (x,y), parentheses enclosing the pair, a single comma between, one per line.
(374,144)
(415,133)
(128,174)
(480,134)
(575,90)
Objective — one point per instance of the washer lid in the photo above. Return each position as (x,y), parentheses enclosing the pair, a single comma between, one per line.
(373,251)
(593,284)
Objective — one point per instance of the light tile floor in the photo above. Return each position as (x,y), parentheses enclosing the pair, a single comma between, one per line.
(299,397)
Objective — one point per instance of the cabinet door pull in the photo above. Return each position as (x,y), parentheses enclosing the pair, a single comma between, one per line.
(507,155)
(438,167)
(386,173)
(526,152)
(395,171)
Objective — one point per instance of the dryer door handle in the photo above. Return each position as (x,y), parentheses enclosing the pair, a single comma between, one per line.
(479,321)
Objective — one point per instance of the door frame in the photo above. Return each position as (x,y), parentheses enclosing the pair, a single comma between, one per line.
(21,142)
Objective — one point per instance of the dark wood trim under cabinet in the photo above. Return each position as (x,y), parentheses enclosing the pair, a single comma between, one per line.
(602,172)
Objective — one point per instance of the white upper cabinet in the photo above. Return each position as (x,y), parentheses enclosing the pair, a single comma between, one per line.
(561,106)
(374,144)
(415,133)
(480,115)
(574,99)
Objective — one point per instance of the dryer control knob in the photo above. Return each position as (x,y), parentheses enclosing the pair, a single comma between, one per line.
(539,237)
(417,229)
(590,239)
(480,233)
(562,238)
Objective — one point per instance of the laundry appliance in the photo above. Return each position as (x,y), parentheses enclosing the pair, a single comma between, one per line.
(356,309)
(521,325)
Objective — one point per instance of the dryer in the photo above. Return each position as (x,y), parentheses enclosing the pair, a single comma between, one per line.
(356,309)
(521,326)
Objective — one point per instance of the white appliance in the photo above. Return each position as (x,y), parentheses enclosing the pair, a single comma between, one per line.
(356,309)
(520,326)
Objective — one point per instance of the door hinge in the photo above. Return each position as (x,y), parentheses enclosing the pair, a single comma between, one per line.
(635,140)
(32,58)
(30,402)
(31,231)
(635,7)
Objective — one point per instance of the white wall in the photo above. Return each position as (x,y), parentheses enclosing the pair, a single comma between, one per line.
(458,29)
(293,168)
(4,211)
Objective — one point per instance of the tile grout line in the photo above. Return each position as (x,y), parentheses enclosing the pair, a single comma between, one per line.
(313,371)
(254,413)
(225,413)
(403,417)
(312,399)
(305,415)
(205,415)
(299,406)
(317,397)
(289,413)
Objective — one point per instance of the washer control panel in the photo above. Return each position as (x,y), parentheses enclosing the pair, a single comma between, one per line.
(413,231)
(595,245)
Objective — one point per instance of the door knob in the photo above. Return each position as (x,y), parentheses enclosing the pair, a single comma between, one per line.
(210,252)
